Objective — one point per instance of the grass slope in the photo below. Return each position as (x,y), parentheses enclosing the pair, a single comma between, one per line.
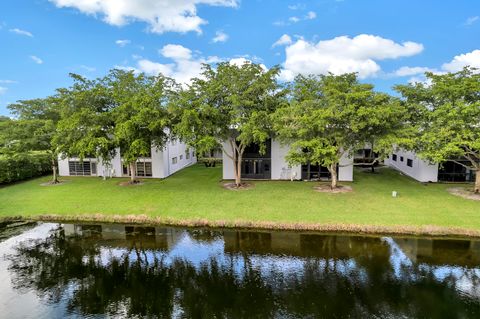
(195,194)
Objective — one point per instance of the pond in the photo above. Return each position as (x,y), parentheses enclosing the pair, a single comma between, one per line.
(110,270)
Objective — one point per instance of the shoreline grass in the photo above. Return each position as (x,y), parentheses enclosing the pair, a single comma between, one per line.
(194,197)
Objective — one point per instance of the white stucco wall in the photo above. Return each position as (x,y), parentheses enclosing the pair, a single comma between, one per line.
(421,170)
(227,163)
(161,162)
(345,169)
(281,170)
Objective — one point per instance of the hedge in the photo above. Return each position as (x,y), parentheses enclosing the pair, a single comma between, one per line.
(23,166)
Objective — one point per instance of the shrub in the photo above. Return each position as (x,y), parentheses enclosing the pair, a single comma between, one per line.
(23,166)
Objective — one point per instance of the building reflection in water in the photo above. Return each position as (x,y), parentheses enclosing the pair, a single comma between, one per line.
(173,272)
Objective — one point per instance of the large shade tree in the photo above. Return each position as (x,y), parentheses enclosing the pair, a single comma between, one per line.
(122,110)
(450,127)
(330,116)
(33,129)
(229,107)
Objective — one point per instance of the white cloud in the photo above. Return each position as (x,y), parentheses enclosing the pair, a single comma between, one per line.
(3,90)
(294,19)
(36,59)
(88,68)
(409,71)
(310,15)
(283,40)
(122,43)
(460,61)
(184,66)
(471,20)
(344,54)
(298,6)
(8,81)
(176,52)
(21,32)
(161,15)
(220,36)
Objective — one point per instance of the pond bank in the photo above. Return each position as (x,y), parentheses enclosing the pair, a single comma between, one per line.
(428,230)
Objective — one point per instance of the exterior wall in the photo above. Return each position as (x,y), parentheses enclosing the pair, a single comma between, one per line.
(280,168)
(227,163)
(421,170)
(345,170)
(161,162)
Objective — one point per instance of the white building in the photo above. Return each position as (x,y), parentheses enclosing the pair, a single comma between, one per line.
(410,164)
(273,165)
(160,164)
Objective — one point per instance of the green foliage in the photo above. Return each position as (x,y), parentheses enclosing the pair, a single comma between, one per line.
(22,166)
(450,122)
(228,104)
(140,112)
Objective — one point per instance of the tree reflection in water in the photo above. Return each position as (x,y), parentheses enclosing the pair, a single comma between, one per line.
(258,275)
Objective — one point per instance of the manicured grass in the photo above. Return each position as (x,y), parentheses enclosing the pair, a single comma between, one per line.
(196,194)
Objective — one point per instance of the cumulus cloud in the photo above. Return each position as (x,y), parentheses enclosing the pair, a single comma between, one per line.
(343,55)
(161,15)
(21,32)
(310,15)
(460,61)
(471,20)
(3,90)
(122,43)
(184,64)
(410,71)
(36,59)
(220,36)
(283,40)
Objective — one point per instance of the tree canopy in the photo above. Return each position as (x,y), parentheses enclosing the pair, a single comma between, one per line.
(450,123)
(229,107)
(330,116)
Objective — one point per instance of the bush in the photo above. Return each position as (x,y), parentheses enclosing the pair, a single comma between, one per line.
(23,166)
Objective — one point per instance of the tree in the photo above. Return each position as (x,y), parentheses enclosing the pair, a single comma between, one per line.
(140,113)
(385,123)
(330,116)
(228,107)
(34,128)
(122,110)
(85,128)
(450,127)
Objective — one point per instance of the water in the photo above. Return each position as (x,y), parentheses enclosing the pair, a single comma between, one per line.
(111,270)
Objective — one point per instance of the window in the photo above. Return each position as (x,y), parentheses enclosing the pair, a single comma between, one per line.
(187,154)
(181,157)
(85,168)
(174,160)
(394,157)
(401,158)
(409,162)
(143,169)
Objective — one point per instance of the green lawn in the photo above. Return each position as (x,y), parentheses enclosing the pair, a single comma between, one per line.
(194,196)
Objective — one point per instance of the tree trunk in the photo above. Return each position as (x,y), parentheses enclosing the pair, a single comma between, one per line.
(333,173)
(477,182)
(132,173)
(54,170)
(238,171)
(373,168)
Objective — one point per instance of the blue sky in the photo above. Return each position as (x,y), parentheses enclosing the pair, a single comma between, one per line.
(386,42)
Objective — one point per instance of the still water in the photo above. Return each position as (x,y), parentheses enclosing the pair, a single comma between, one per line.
(112,270)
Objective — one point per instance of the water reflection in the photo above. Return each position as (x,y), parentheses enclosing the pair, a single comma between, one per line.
(140,271)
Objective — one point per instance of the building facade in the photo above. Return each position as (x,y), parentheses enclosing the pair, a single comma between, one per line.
(273,166)
(410,164)
(160,164)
